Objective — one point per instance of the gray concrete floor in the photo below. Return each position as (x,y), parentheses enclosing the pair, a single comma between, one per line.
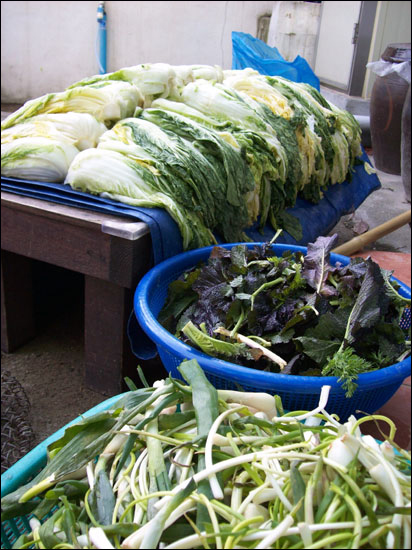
(379,207)
(50,367)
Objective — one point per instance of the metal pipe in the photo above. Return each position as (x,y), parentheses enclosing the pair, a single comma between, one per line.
(364,121)
(101,37)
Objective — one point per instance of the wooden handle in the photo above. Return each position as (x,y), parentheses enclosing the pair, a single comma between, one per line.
(357,243)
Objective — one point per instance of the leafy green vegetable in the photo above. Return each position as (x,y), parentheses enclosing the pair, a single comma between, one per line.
(316,265)
(40,158)
(323,340)
(221,151)
(102,499)
(107,101)
(316,319)
(346,365)
(206,406)
(291,225)
(371,303)
(212,346)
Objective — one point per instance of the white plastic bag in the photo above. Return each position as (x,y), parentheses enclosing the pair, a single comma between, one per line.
(383,68)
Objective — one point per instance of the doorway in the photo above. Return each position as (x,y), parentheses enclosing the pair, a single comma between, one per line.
(344,40)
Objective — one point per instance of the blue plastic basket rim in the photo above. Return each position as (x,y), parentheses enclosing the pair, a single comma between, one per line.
(17,474)
(245,375)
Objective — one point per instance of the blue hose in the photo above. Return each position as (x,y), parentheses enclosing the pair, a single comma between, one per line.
(101,38)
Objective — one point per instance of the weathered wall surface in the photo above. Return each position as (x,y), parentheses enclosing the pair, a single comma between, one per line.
(46,46)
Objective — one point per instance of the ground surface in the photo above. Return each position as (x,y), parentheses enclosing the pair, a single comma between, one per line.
(381,206)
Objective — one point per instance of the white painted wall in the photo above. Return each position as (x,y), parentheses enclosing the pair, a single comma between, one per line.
(47,45)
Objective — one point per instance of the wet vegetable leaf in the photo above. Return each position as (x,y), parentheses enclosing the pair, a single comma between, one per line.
(102,499)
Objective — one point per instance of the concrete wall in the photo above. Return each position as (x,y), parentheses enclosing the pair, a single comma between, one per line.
(46,46)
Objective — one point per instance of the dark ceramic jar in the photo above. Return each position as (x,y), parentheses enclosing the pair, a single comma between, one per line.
(406,146)
(387,101)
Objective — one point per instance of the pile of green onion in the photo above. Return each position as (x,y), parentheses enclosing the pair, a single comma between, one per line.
(182,465)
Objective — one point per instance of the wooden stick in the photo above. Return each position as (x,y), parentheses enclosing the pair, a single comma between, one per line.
(359,242)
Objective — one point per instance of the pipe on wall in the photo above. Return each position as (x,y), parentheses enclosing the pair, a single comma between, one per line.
(364,121)
(365,124)
(101,38)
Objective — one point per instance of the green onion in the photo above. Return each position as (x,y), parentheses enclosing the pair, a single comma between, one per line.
(232,470)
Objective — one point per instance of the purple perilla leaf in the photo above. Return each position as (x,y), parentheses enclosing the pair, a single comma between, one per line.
(316,265)
(371,303)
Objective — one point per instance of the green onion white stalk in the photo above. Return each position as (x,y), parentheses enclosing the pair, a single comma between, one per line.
(266,479)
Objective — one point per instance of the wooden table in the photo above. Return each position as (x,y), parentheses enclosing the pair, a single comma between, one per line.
(111,252)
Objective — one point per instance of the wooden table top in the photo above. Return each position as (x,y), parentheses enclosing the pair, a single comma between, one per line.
(120,226)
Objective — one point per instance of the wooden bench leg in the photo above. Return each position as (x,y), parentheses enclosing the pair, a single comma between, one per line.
(17,308)
(108,357)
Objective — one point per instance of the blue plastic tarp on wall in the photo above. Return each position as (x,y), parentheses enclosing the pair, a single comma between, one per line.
(248,51)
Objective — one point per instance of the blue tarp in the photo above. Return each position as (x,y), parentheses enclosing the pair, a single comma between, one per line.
(248,51)
(164,231)
(316,219)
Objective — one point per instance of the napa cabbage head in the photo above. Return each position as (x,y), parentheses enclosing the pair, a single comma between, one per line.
(113,175)
(227,105)
(257,87)
(223,128)
(190,73)
(80,129)
(107,101)
(320,131)
(207,72)
(122,139)
(346,139)
(37,158)
(154,80)
(260,148)
(151,78)
(346,123)
(222,103)
(211,159)
(176,164)
(349,127)
(341,160)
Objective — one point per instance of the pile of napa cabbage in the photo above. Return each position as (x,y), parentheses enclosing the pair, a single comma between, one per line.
(219,150)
